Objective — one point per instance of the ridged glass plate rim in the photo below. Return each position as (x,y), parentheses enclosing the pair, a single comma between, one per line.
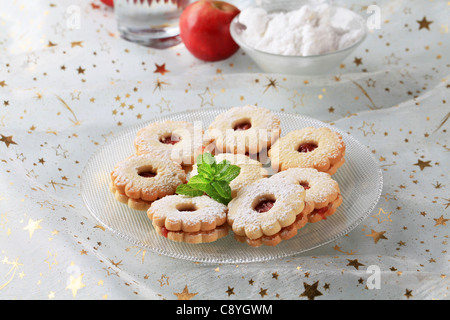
(212,259)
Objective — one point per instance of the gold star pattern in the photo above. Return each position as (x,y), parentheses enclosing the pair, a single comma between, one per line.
(185,294)
(75,284)
(424,24)
(76,44)
(311,291)
(441,221)
(204,97)
(447,204)
(297,99)
(370,126)
(408,294)
(159,85)
(51,44)
(32,226)
(80,70)
(262,292)
(2,83)
(272,84)
(355,264)
(7,140)
(382,216)
(357,61)
(423,164)
(377,236)
(230,291)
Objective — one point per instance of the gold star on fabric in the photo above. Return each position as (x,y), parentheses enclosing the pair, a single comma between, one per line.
(76,44)
(441,221)
(370,128)
(272,84)
(80,70)
(51,44)
(263,292)
(355,263)
(447,204)
(423,164)
(7,140)
(383,216)
(204,97)
(311,291)
(377,235)
(75,284)
(424,24)
(357,61)
(2,83)
(185,294)
(32,226)
(408,294)
(159,85)
(161,69)
(230,291)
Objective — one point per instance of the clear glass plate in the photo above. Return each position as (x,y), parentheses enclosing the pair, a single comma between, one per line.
(360,180)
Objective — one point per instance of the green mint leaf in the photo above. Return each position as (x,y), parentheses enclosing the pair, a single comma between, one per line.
(211,191)
(229,173)
(220,167)
(198,182)
(206,158)
(205,171)
(213,178)
(205,163)
(187,190)
(222,188)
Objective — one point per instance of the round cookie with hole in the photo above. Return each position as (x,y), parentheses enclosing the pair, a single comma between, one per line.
(180,141)
(322,193)
(267,212)
(141,179)
(247,130)
(318,148)
(189,219)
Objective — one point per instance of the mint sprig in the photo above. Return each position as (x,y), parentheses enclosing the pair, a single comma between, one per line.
(212,178)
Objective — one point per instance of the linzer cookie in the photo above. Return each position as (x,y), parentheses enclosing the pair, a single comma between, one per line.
(318,148)
(322,193)
(178,140)
(247,129)
(189,219)
(141,179)
(267,212)
(251,170)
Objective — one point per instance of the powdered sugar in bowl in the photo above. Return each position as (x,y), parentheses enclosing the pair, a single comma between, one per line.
(298,37)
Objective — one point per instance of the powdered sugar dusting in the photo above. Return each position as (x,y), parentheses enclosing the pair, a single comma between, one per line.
(322,188)
(289,201)
(207,209)
(315,28)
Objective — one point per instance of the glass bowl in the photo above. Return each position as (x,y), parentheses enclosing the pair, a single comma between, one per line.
(300,65)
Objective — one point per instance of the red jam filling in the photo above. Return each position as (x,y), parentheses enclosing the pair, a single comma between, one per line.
(164,232)
(170,140)
(307,147)
(305,185)
(147,174)
(320,212)
(243,126)
(264,206)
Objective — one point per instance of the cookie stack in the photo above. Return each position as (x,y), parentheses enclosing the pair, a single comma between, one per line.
(264,210)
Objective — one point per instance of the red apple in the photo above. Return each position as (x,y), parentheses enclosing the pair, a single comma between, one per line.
(205,29)
(108,2)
